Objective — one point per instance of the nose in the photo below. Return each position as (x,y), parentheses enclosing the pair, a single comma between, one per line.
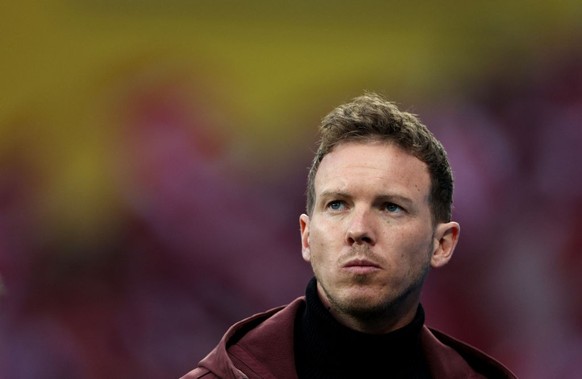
(361,229)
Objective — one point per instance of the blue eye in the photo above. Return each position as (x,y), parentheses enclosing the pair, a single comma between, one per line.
(391,207)
(335,205)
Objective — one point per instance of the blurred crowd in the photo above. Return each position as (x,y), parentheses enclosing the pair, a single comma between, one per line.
(516,148)
(195,243)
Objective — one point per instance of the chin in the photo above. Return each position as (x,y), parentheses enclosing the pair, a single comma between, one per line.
(365,303)
(368,310)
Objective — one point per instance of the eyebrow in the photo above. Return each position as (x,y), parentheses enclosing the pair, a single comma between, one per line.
(331,193)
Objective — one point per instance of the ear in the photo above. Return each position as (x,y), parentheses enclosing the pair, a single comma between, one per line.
(304,227)
(445,239)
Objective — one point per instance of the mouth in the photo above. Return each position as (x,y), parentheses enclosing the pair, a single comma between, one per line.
(361,266)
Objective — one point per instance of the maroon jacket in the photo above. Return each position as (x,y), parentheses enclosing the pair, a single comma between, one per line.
(261,346)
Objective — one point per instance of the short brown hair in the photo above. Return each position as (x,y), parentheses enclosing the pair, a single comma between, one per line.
(372,118)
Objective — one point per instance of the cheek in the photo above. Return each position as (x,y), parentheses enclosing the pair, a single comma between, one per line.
(318,236)
(322,247)
(318,251)
(414,248)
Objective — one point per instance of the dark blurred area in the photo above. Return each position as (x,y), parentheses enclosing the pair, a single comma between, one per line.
(153,161)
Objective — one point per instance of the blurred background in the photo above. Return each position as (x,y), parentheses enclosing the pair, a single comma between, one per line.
(153,158)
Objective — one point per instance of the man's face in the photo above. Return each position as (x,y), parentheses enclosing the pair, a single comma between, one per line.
(371,238)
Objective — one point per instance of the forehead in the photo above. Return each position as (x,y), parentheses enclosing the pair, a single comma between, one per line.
(375,166)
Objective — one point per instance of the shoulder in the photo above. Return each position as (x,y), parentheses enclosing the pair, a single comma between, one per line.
(252,346)
(198,373)
(450,357)
(265,345)
(263,324)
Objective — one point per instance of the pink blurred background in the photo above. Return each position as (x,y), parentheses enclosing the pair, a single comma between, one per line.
(153,158)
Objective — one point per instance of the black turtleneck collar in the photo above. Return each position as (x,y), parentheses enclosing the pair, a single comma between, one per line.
(324,348)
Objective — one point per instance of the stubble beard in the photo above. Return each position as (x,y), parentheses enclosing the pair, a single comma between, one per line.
(372,312)
(366,311)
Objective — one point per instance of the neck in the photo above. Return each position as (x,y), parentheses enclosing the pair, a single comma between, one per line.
(327,348)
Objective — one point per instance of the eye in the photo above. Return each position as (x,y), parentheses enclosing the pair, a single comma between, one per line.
(392,208)
(336,205)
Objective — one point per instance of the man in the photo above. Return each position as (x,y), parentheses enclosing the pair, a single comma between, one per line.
(379,198)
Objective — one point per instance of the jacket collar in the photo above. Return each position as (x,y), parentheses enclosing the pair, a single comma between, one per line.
(266,350)
(262,345)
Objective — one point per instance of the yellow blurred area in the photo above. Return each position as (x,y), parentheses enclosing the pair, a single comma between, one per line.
(262,69)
